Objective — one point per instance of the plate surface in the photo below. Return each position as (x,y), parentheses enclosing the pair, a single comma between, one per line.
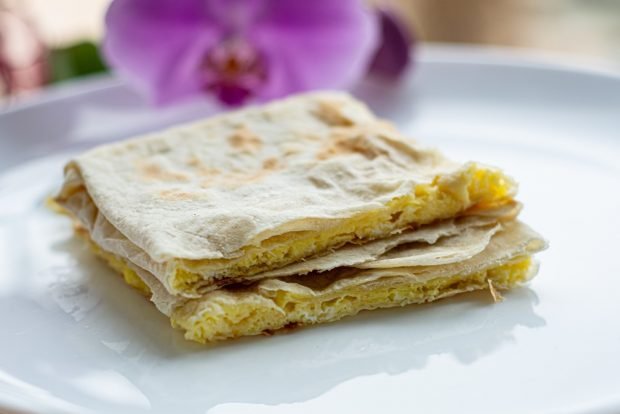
(74,338)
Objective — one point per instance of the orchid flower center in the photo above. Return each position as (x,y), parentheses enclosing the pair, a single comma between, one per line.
(234,70)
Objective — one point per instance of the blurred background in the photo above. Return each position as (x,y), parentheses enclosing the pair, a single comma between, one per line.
(48,41)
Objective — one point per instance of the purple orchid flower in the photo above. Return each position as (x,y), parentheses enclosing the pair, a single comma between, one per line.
(239,49)
(394,52)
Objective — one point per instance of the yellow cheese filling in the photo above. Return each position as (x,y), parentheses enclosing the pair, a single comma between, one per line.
(474,187)
(226,313)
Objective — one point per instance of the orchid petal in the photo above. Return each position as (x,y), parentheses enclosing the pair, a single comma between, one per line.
(159,44)
(393,55)
(314,44)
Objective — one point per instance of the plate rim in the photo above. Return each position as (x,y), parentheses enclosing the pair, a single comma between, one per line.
(428,53)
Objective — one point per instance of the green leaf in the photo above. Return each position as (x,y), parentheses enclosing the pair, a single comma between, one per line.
(74,61)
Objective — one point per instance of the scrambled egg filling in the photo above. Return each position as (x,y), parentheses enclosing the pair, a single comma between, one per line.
(476,186)
(227,313)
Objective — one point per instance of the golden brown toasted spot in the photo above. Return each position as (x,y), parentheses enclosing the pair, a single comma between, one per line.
(151,171)
(271,163)
(175,194)
(291,148)
(350,140)
(236,179)
(330,112)
(201,169)
(242,139)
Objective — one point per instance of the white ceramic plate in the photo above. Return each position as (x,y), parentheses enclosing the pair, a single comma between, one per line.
(74,338)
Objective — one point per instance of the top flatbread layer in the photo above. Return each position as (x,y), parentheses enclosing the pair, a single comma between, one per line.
(207,189)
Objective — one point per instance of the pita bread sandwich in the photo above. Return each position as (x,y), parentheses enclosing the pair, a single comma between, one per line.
(301,211)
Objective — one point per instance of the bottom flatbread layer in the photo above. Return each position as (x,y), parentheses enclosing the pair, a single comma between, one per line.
(272,304)
(234,314)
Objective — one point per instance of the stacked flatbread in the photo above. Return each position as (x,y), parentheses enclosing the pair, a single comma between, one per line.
(298,212)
